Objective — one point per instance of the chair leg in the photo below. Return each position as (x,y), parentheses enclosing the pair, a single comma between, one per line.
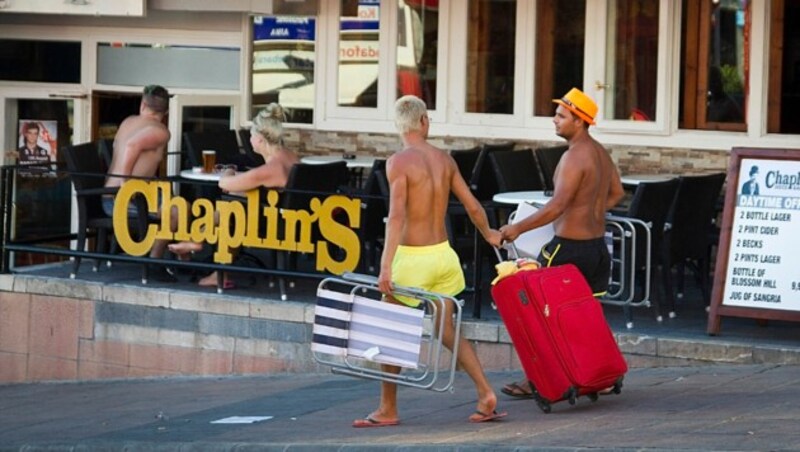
(112,249)
(680,280)
(476,280)
(282,265)
(668,288)
(81,245)
(220,281)
(100,246)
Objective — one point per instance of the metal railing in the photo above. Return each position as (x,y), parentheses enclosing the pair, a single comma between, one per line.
(48,245)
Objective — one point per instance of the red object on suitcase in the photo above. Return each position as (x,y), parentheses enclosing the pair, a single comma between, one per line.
(563,341)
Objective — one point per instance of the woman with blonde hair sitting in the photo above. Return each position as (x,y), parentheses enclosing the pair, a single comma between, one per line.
(266,137)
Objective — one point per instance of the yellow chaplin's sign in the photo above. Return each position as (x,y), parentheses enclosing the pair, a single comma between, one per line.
(239,224)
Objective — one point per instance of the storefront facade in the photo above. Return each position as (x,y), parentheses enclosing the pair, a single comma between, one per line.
(679,83)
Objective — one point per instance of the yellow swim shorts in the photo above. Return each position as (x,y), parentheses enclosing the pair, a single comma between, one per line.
(435,268)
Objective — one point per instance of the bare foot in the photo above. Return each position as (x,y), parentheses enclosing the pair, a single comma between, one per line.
(181,249)
(211,281)
(208,281)
(376,419)
(486,406)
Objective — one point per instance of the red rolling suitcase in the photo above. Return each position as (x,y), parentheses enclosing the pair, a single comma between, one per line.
(561,336)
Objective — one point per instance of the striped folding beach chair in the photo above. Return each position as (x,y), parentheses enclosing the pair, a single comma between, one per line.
(355,329)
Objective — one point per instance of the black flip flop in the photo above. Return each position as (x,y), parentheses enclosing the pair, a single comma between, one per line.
(517,391)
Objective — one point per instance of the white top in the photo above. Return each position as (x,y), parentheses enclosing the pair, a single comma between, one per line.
(518,197)
(360,161)
(636,179)
(199,175)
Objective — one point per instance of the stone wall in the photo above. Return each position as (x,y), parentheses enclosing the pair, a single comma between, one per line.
(629,159)
(62,329)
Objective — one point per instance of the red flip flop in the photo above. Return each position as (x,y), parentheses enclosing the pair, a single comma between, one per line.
(480,416)
(371,422)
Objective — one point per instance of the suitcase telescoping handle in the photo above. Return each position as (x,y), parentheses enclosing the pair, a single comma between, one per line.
(509,246)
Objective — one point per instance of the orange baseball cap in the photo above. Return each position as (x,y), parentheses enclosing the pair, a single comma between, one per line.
(580,104)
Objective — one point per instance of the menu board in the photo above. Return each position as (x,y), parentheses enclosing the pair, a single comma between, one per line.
(758,263)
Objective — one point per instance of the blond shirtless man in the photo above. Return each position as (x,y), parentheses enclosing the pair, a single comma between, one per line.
(587,184)
(139,146)
(417,253)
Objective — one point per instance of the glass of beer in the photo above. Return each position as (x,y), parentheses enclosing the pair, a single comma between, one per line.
(209,160)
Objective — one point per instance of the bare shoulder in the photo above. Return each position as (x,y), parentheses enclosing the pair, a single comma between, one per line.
(287,157)
(580,152)
(401,161)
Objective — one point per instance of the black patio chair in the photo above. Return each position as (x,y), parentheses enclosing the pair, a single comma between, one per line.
(224,142)
(649,204)
(374,210)
(548,158)
(307,181)
(689,230)
(515,170)
(250,154)
(88,177)
(106,148)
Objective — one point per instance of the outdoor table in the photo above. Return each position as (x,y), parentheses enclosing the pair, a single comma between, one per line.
(199,175)
(636,179)
(355,163)
(518,197)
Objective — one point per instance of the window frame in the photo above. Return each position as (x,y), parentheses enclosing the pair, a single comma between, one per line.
(458,59)
(450,119)
(597,36)
(379,119)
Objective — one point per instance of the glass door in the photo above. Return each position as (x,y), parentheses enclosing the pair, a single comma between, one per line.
(624,53)
(198,113)
(37,125)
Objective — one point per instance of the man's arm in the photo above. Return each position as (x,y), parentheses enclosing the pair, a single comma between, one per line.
(148,138)
(615,190)
(570,173)
(398,194)
(474,209)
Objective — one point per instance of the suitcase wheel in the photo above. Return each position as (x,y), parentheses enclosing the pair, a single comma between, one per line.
(592,396)
(571,395)
(544,405)
(617,386)
(541,402)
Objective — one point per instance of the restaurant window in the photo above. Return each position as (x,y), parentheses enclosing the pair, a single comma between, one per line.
(359,28)
(491,31)
(417,48)
(40,61)
(560,36)
(783,108)
(135,64)
(631,60)
(715,40)
(283,65)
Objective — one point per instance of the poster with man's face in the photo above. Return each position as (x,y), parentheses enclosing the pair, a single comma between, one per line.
(37,143)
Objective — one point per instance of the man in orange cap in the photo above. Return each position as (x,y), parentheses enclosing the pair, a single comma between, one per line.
(587,184)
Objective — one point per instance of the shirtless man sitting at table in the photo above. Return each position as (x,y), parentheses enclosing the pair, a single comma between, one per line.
(139,146)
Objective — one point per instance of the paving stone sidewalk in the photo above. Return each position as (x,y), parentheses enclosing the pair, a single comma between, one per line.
(730,407)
